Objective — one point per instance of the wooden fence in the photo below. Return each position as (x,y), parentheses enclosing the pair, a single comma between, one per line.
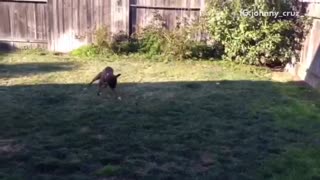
(141,11)
(308,68)
(64,25)
(24,22)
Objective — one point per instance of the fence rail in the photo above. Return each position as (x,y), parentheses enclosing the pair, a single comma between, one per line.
(166,8)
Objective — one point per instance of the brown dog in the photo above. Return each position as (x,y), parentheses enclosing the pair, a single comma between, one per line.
(106,78)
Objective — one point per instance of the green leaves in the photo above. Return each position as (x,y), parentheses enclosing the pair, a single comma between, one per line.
(255,40)
(179,43)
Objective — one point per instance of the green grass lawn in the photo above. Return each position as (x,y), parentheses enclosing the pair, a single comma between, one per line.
(177,120)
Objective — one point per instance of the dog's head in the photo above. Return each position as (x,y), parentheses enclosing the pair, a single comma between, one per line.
(108,70)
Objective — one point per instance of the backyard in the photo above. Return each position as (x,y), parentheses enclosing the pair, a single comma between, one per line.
(176,120)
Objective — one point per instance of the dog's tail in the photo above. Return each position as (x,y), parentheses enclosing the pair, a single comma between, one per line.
(118,75)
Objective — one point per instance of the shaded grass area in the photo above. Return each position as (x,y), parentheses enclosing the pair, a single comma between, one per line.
(178,120)
(25,69)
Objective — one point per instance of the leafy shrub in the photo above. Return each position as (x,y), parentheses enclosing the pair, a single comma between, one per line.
(106,44)
(121,43)
(183,42)
(258,40)
(86,51)
(152,41)
(180,43)
(204,51)
(261,40)
(101,45)
(152,38)
(102,37)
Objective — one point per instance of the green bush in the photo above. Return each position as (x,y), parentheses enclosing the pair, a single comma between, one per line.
(152,38)
(180,43)
(152,41)
(204,51)
(155,40)
(86,51)
(260,40)
(121,43)
(102,37)
(105,44)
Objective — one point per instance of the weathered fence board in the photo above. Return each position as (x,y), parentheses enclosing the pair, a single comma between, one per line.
(119,16)
(74,22)
(63,25)
(172,12)
(309,65)
(23,23)
(313,10)
(5,28)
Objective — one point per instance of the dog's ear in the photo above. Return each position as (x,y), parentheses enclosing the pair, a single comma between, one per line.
(118,75)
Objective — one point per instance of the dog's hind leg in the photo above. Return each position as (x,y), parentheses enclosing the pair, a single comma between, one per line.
(101,86)
(116,94)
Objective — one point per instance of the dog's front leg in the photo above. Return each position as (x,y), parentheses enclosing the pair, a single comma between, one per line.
(97,77)
(99,92)
(100,88)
